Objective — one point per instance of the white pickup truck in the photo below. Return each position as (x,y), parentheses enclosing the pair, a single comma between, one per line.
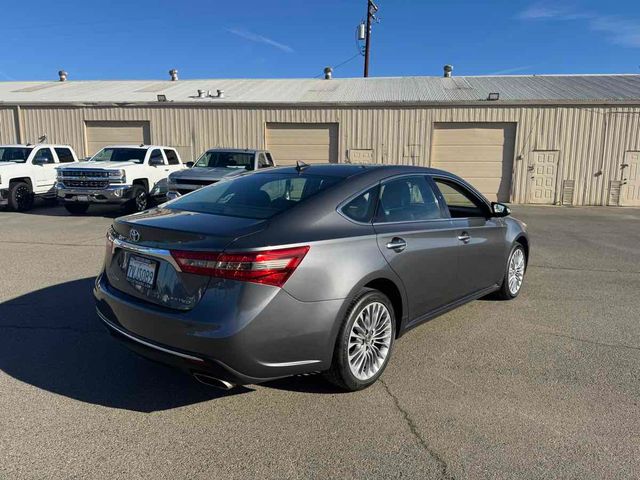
(128,175)
(27,171)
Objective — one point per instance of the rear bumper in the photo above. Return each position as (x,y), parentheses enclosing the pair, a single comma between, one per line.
(4,196)
(259,334)
(115,194)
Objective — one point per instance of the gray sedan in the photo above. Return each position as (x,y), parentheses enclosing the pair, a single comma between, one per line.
(302,269)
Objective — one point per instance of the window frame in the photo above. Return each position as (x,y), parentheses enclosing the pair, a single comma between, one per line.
(344,203)
(444,212)
(472,192)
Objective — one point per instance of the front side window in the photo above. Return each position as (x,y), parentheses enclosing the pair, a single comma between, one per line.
(258,196)
(460,201)
(226,160)
(362,208)
(64,155)
(120,155)
(156,157)
(15,154)
(262,161)
(407,199)
(172,157)
(43,155)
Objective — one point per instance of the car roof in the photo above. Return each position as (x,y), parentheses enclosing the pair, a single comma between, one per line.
(142,147)
(53,145)
(350,169)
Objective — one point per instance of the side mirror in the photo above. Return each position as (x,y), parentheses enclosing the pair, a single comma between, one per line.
(189,164)
(155,162)
(39,161)
(500,209)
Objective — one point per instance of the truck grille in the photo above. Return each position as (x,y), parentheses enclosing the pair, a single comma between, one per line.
(87,183)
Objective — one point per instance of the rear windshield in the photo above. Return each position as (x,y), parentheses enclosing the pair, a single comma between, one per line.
(226,160)
(14,154)
(258,196)
(120,155)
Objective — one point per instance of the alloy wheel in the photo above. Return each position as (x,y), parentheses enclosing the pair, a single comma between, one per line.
(516,270)
(369,341)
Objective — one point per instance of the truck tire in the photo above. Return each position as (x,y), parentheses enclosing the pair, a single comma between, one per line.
(76,208)
(20,196)
(139,199)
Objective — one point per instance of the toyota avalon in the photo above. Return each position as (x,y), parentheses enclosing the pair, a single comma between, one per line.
(303,269)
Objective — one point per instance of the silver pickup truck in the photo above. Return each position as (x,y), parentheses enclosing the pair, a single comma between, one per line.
(214,165)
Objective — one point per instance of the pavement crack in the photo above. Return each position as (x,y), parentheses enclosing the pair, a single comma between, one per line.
(442,465)
(593,342)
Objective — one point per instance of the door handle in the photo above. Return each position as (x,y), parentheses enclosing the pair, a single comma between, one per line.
(464,237)
(398,244)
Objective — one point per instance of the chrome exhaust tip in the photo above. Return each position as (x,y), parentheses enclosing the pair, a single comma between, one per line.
(213,382)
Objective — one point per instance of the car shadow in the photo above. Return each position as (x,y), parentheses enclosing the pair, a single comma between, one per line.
(52,339)
(45,209)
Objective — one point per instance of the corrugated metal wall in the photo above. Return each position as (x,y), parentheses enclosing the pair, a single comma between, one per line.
(591,140)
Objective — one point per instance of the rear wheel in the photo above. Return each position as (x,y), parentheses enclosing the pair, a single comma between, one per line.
(514,273)
(364,343)
(20,196)
(140,199)
(76,208)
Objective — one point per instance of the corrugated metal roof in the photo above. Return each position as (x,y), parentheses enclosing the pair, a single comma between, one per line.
(397,90)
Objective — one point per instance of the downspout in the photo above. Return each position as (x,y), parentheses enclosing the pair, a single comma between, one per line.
(17,120)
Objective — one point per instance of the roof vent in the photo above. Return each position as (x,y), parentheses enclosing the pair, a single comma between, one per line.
(220,93)
(62,75)
(328,73)
(174,74)
(448,69)
(202,94)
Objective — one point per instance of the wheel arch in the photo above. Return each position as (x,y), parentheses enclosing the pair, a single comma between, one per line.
(26,180)
(143,182)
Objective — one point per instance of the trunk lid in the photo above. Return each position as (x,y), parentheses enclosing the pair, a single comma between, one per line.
(139,263)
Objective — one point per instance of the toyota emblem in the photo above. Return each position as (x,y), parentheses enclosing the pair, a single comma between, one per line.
(134,235)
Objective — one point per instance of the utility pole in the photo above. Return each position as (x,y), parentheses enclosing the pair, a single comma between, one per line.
(372,8)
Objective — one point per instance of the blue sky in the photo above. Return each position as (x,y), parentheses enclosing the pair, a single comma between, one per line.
(143,39)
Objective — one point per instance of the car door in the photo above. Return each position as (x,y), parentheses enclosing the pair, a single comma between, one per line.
(173,161)
(417,239)
(480,237)
(44,165)
(158,171)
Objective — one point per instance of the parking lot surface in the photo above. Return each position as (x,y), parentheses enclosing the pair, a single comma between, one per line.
(545,386)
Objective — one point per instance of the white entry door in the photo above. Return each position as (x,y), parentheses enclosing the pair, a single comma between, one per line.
(543,172)
(630,190)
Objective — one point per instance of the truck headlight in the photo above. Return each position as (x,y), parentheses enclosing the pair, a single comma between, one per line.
(118,176)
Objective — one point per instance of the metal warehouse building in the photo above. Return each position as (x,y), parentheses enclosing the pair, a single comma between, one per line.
(572,140)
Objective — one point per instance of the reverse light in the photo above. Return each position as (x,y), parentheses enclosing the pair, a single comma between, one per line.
(270,267)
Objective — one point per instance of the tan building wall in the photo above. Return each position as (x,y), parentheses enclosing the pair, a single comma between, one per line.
(590,141)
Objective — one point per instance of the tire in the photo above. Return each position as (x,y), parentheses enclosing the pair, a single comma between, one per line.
(77,208)
(139,201)
(511,288)
(344,371)
(20,196)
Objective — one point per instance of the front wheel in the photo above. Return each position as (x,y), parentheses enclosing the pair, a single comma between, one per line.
(139,201)
(514,273)
(20,196)
(364,343)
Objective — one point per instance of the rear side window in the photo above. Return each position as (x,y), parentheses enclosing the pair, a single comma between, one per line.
(407,199)
(64,155)
(362,208)
(262,161)
(258,196)
(172,157)
(460,201)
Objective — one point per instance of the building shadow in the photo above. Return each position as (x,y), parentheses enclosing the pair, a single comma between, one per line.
(52,339)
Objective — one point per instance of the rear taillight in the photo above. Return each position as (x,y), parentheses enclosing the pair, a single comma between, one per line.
(271,267)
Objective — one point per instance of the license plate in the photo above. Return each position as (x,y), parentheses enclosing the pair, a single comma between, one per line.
(82,198)
(142,271)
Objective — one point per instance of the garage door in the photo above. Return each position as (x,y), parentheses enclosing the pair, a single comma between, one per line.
(481,153)
(308,142)
(101,134)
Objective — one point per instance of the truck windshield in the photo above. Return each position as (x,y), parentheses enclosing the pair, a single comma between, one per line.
(14,154)
(259,196)
(120,155)
(226,160)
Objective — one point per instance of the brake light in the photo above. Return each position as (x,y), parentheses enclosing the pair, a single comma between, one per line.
(271,267)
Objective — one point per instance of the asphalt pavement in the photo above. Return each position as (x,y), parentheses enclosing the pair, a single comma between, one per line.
(545,386)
